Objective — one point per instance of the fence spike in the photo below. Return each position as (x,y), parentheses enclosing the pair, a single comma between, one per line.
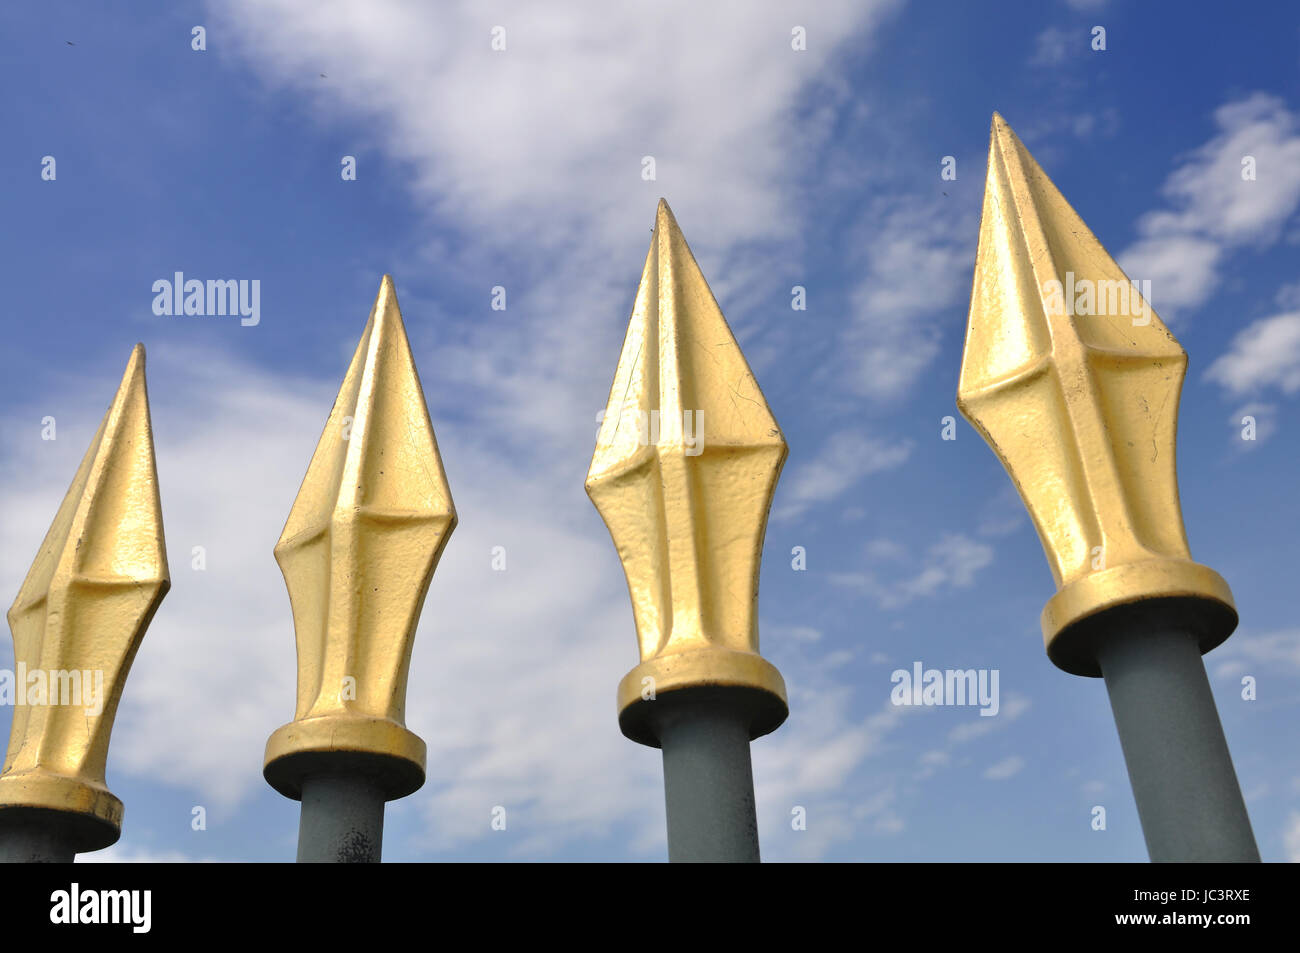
(683,475)
(1080,404)
(88,598)
(358,552)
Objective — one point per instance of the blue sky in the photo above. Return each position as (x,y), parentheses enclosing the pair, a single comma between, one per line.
(523,168)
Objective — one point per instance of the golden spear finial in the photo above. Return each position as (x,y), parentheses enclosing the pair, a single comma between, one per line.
(358,551)
(1074,382)
(683,474)
(79,618)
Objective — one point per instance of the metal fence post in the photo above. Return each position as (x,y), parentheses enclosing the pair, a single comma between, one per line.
(1074,382)
(683,475)
(77,622)
(358,552)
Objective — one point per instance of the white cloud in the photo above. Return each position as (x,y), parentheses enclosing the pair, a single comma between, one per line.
(1051,47)
(1046,130)
(1004,769)
(804,633)
(810,761)
(1245,653)
(551,131)
(952,562)
(1183,269)
(1213,210)
(844,459)
(1012,708)
(885,550)
(955,560)
(1264,354)
(917,262)
(1288,296)
(541,146)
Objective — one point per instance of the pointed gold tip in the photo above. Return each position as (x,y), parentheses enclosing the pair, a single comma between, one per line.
(385,309)
(79,618)
(1074,382)
(358,551)
(665,222)
(1003,142)
(134,370)
(683,475)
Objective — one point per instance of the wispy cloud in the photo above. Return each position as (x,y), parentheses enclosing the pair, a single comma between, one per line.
(917,266)
(952,562)
(1002,514)
(934,760)
(1269,651)
(1004,769)
(1266,354)
(564,114)
(1051,47)
(844,459)
(1012,708)
(1213,209)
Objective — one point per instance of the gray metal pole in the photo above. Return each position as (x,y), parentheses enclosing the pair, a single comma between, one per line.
(33,836)
(342,820)
(708,780)
(1186,790)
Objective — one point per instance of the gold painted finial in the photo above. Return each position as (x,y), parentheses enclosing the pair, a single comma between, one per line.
(683,474)
(358,551)
(1074,382)
(79,618)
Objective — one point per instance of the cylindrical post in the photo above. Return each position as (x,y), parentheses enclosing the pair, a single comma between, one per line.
(35,836)
(708,781)
(342,820)
(1186,790)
